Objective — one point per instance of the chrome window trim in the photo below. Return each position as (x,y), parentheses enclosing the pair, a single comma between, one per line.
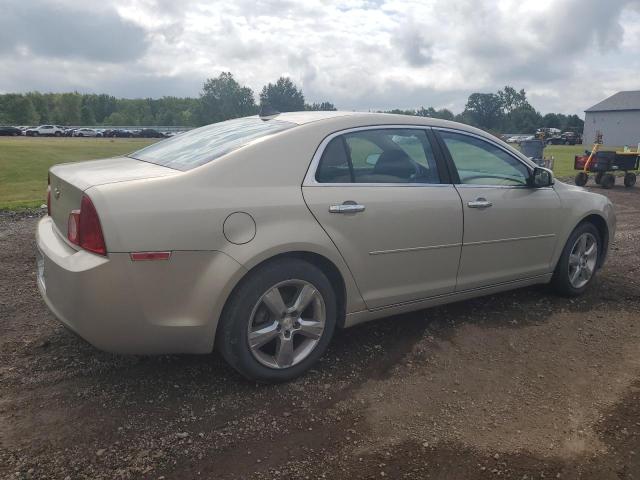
(310,177)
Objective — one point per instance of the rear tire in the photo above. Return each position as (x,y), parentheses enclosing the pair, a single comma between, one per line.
(629,179)
(250,310)
(581,179)
(572,258)
(608,180)
(58,134)
(599,178)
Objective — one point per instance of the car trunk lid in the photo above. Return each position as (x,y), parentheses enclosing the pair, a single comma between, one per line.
(69,181)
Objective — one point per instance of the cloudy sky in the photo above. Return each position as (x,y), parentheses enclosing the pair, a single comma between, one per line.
(359,54)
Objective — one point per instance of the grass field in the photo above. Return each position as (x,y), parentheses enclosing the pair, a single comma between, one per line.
(25,161)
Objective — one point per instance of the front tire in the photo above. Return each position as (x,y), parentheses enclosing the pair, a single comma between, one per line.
(579,261)
(581,179)
(629,179)
(278,321)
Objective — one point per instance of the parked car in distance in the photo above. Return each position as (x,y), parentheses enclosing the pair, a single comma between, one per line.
(572,138)
(149,133)
(259,236)
(85,132)
(45,130)
(120,133)
(10,131)
(555,141)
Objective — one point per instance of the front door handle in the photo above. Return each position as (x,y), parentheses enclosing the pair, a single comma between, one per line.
(479,203)
(347,207)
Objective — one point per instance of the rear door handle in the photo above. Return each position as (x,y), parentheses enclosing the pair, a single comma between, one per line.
(479,203)
(347,207)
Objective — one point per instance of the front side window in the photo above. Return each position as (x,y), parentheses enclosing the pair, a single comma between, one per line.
(379,156)
(481,163)
(202,145)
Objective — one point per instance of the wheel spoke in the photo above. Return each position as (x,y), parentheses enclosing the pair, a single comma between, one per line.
(574,259)
(573,277)
(274,302)
(305,297)
(263,335)
(592,250)
(284,353)
(586,272)
(582,244)
(310,329)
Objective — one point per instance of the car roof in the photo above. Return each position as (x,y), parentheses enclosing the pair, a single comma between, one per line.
(359,119)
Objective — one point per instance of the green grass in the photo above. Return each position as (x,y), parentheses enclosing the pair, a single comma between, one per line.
(564,156)
(25,161)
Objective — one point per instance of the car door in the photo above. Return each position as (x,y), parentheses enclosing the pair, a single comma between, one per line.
(386,202)
(509,227)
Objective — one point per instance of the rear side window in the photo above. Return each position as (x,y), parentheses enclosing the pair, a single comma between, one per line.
(379,156)
(202,145)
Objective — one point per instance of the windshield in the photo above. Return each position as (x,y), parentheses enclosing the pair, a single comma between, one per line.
(202,145)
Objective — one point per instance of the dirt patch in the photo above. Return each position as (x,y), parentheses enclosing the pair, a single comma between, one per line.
(518,385)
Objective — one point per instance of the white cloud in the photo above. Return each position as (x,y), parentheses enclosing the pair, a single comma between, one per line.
(359,54)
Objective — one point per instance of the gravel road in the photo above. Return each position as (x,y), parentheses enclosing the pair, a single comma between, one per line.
(520,385)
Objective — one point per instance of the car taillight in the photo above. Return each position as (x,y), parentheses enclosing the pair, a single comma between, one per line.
(49,194)
(84,229)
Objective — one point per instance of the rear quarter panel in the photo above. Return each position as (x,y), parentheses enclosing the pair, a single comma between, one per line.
(186,212)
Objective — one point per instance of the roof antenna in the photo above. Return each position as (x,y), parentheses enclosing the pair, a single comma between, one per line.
(267,112)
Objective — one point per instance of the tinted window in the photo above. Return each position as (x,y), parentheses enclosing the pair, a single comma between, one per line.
(379,156)
(482,163)
(334,166)
(202,145)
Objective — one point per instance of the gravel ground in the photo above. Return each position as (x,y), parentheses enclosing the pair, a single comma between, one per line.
(520,385)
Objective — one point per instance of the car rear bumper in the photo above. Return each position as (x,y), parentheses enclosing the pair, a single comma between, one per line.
(143,307)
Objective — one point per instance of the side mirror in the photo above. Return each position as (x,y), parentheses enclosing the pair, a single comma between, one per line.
(541,177)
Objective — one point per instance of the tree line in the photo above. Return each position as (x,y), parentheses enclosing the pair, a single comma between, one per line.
(223,97)
(507,111)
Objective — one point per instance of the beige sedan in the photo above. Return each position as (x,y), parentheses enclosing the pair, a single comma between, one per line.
(259,236)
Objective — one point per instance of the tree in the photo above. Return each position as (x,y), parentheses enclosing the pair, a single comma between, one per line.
(443,113)
(484,110)
(283,96)
(223,98)
(18,110)
(324,106)
(552,120)
(67,111)
(513,100)
(86,114)
(523,120)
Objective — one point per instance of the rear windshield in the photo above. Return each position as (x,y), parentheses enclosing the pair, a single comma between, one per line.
(202,145)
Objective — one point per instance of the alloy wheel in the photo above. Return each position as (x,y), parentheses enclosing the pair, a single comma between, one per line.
(582,260)
(286,324)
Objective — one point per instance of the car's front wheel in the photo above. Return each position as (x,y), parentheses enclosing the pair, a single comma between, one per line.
(279,321)
(578,262)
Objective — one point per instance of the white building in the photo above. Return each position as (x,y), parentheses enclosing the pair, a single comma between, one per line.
(617,118)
